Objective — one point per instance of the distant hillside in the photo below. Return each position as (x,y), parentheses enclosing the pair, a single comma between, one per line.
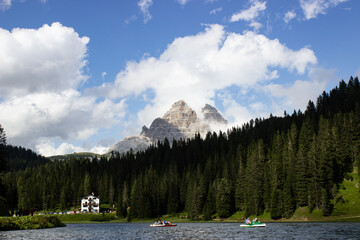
(19,158)
(82,155)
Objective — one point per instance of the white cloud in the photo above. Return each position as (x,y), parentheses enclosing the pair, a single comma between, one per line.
(300,92)
(144,7)
(66,115)
(255,25)
(251,13)
(47,148)
(183,2)
(5,4)
(216,10)
(236,113)
(312,8)
(39,60)
(40,70)
(289,16)
(193,68)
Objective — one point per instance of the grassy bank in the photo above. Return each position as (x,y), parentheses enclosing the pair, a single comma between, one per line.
(29,222)
(88,218)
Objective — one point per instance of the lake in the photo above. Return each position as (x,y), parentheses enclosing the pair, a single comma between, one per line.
(192,231)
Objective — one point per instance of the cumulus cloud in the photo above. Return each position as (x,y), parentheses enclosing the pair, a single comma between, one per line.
(39,60)
(66,115)
(251,13)
(193,68)
(40,70)
(312,8)
(289,16)
(297,95)
(48,148)
(144,8)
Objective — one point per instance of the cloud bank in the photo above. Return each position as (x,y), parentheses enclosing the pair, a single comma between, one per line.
(39,60)
(40,70)
(212,66)
(194,68)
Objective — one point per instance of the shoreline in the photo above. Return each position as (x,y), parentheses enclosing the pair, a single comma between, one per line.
(182,220)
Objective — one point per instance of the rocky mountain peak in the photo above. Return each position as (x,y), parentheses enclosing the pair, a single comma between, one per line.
(180,115)
(179,122)
(211,114)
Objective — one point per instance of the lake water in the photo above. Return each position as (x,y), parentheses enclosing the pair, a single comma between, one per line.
(192,231)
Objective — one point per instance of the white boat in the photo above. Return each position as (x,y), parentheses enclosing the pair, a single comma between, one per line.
(168,224)
(252,225)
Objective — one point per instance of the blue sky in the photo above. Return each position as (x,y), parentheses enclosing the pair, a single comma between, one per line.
(81,75)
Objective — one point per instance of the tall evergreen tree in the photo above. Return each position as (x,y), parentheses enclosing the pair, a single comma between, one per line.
(87,186)
(223,199)
(210,204)
(3,208)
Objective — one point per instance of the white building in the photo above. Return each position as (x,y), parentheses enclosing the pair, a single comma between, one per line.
(90,204)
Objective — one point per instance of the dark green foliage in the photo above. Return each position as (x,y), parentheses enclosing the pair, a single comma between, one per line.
(3,208)
(210,204)
(29,222)
(19,158)
(274,165)
(223,199)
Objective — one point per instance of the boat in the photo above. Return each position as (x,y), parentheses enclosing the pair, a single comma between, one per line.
(252,225)
(163,224)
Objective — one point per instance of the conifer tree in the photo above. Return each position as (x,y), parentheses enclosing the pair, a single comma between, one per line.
(254,192)
(3,190)
(87,186)
(240,186)
(210,204)
(223,199)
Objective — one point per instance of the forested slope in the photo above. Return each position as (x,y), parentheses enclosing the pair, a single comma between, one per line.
(276,165)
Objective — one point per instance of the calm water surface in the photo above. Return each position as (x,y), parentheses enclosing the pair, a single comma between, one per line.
(193,231)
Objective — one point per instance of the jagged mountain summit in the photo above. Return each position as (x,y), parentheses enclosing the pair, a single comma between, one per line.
(212,115)
(179,122)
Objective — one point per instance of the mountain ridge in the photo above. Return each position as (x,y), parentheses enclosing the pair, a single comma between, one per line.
(179,122)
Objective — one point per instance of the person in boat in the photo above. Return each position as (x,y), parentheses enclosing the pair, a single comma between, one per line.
(247,221)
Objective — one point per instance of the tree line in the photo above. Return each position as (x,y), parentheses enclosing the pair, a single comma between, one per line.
(276,165)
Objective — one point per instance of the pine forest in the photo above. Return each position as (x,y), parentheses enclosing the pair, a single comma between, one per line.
(273,165)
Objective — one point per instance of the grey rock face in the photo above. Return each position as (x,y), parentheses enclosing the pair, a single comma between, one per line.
(180,122)
(136,143)
(211,114)
(161,129)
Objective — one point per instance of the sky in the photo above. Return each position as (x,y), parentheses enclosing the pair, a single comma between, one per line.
(81,75)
